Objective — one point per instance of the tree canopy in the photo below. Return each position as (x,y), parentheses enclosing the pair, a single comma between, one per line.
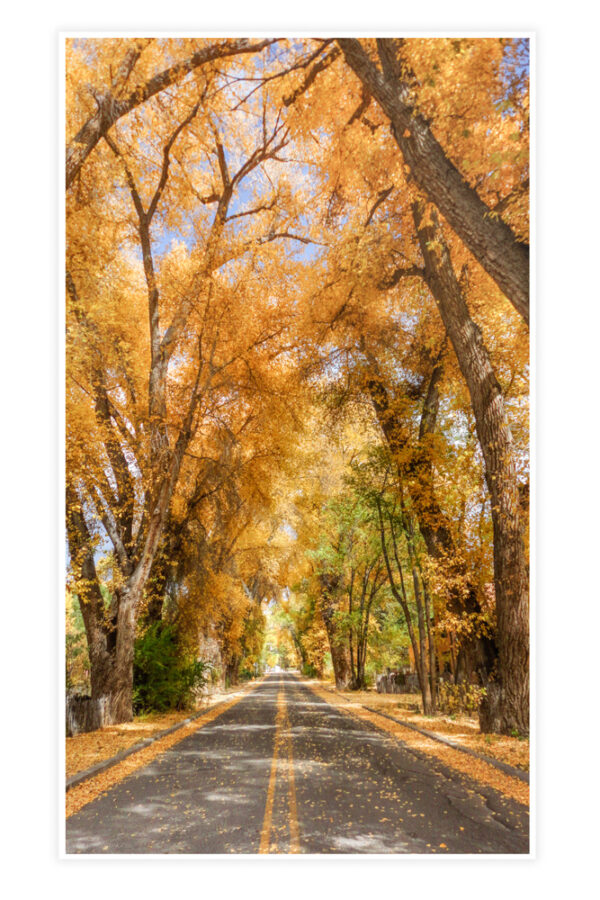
(297,353)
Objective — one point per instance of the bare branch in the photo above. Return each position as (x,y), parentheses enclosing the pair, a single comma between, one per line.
(301,64)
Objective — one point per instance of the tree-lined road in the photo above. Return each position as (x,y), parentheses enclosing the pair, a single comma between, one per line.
(283,771)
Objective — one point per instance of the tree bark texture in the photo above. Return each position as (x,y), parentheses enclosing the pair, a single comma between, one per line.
(425,672)
(97,623)
(510,694)
(340,657)
(490,240)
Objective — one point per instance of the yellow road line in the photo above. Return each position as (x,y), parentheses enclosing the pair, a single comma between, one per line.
(282,736)
(265,845)
(294,830)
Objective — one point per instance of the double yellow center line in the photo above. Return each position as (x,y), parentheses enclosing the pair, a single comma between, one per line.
(283,748)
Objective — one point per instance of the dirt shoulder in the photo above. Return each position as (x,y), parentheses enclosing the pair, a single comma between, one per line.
(85,750)
(461,729)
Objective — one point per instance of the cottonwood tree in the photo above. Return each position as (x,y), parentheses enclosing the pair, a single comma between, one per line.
(204,326)
(507,703)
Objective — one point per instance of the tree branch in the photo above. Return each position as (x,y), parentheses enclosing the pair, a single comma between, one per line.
(401,272)
(318,67)
(488,237)
(110,110)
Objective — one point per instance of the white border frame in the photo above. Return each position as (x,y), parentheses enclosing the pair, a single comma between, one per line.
(292,33)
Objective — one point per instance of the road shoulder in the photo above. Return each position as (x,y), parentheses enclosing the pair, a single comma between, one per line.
(109,772)
(472,765)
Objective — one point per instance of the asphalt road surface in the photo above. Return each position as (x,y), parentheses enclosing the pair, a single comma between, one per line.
(283,771)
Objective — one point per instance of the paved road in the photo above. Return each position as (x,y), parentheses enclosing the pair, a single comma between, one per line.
(283,771)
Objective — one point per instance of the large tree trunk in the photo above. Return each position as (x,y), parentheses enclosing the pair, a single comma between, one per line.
(232,669)
(507,708)
(97,620)
(122,673)
(111,633)
(340,657)
(340,661)
(491,241)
